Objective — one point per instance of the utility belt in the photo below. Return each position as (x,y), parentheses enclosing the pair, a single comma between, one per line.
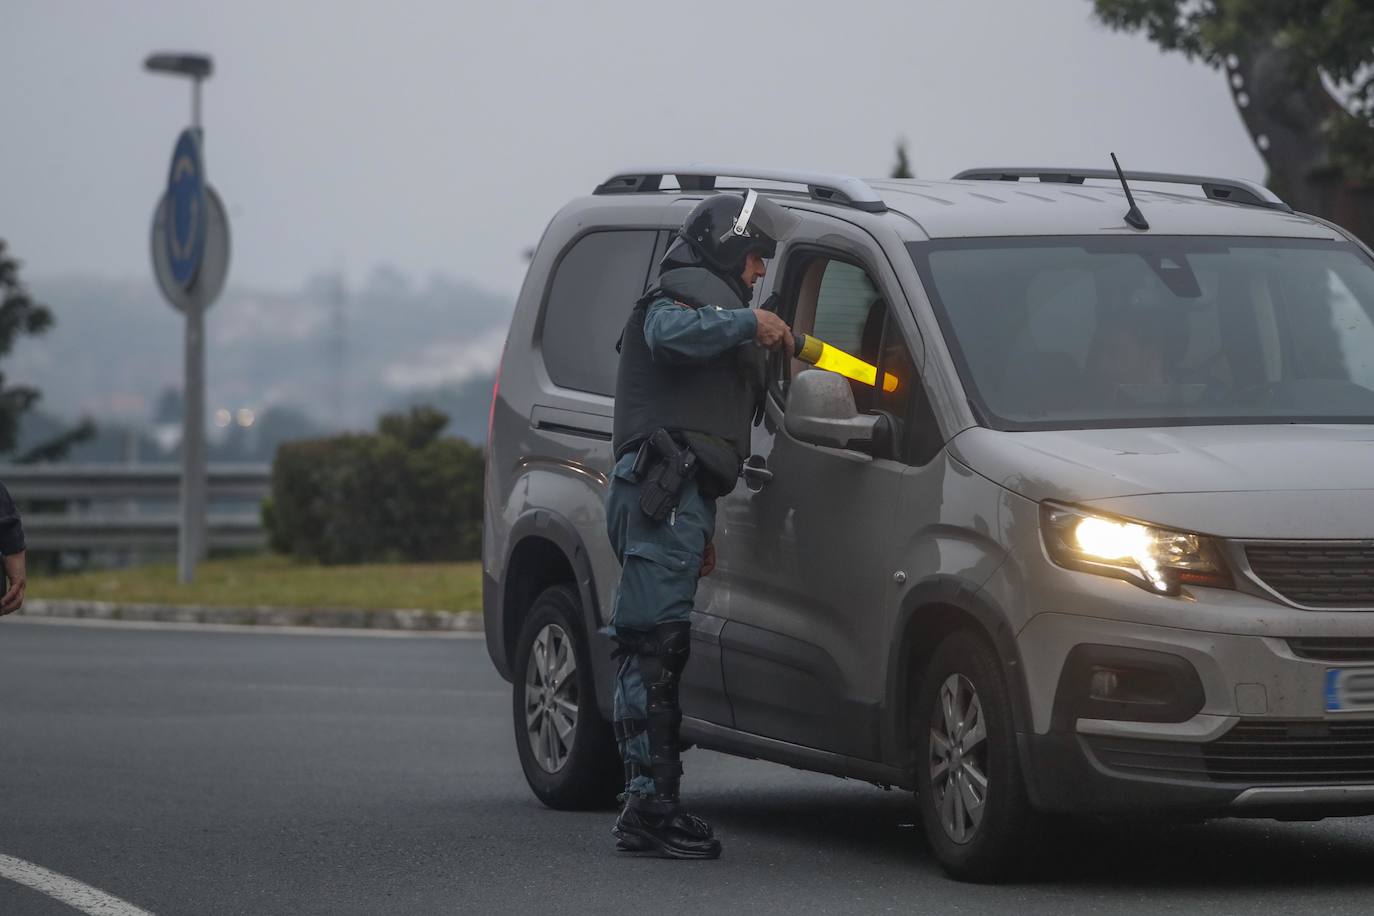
(662,468)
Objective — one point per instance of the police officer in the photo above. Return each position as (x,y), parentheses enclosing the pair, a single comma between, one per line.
(690,378)
(12,555)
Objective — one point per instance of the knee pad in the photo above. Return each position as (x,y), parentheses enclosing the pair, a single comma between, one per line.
(663,653)
(666,653)
(674,644)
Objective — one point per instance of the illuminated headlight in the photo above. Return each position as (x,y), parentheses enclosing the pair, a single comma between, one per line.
(1156,559)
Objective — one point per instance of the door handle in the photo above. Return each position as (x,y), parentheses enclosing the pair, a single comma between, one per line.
(756,473)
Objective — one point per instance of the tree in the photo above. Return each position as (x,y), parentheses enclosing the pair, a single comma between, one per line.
(1301,74)
(903,167)
(20,315)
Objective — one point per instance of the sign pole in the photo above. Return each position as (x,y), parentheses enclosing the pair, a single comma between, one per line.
(190,248)
(191,536)
(191,541)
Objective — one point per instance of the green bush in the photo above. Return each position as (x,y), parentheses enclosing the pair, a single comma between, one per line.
(402,493)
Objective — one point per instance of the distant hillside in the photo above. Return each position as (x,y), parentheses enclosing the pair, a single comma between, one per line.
(117,347)
(116,442)
(467,405)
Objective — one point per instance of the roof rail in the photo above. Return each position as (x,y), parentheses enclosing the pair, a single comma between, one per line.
(836,189)
(1231,190)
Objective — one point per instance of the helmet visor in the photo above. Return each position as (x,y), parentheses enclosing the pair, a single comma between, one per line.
(763,220)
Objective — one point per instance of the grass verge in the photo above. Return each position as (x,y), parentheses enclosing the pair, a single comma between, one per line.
(268,580)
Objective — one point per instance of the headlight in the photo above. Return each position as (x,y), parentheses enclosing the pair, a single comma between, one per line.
(1156,559)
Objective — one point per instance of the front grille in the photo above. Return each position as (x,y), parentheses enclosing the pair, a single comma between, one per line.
(1333,648)
(1317,575)
(1256,752)
(1309,752)
(1164,759)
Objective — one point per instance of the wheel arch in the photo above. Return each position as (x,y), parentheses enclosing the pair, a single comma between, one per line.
(930,610)
(545,550)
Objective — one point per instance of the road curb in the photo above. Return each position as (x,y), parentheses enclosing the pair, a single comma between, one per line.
(345,618)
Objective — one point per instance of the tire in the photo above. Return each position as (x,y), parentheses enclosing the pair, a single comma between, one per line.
(567,750)
(981,841)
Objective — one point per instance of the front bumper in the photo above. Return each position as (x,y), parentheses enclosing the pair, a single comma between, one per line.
(1067,775)
(1262,743)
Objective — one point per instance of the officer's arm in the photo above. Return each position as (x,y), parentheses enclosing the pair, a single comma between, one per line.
(11,527)
(12,548)
(678,334)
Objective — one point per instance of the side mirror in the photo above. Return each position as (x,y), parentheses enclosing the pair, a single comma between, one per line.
(821,411)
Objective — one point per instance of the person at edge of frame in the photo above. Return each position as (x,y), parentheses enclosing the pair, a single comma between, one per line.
(692,365)
(12,549)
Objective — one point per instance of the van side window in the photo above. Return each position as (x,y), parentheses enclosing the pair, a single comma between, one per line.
(846,303)
(594,287)
(840,304)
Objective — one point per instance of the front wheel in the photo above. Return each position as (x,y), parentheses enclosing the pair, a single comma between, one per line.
(566,749)
(970,790)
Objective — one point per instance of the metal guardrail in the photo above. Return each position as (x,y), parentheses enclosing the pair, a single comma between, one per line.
(95,519)
(130,481)
(48,531)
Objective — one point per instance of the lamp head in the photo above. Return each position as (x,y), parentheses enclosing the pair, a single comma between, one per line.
(196,66)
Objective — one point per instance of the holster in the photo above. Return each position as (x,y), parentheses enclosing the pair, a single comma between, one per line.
(662,469)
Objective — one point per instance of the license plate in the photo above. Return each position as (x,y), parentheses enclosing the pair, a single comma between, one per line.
(1349,689)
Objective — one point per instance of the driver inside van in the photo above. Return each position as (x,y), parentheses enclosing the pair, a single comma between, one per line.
(1132,350)
(1138,352)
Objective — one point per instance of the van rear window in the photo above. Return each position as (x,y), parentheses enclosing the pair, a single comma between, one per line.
(592,292)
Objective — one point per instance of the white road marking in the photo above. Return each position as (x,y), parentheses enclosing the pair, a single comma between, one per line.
(261,629)
(66,890)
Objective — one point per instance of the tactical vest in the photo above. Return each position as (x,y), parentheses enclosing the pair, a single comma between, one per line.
(700,401)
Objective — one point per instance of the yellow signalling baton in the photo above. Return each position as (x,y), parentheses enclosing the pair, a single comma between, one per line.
(820,354)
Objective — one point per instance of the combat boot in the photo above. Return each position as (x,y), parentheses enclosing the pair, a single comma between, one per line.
(665,829)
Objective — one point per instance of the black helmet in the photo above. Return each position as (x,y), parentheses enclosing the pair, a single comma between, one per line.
(722,229)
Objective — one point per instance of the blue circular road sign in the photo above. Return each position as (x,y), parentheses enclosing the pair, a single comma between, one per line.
(186,215)
(214,266)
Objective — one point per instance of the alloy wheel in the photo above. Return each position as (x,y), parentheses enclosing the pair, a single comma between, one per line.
(959,759)
(551,697)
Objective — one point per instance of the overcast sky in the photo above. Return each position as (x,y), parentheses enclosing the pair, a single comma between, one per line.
(441,136)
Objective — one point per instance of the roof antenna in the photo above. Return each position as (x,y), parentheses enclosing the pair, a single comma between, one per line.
(1134,218)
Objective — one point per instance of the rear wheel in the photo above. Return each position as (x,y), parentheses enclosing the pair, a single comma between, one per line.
(970,791)
(567,751)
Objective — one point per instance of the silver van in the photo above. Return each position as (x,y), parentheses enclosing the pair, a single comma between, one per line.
(1107,547)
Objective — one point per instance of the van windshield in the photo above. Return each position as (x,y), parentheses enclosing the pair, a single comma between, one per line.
(1085,332)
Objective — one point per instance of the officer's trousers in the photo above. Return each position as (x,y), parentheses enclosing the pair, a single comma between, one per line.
(660,564)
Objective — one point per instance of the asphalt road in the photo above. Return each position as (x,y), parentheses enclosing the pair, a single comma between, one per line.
(205,773)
